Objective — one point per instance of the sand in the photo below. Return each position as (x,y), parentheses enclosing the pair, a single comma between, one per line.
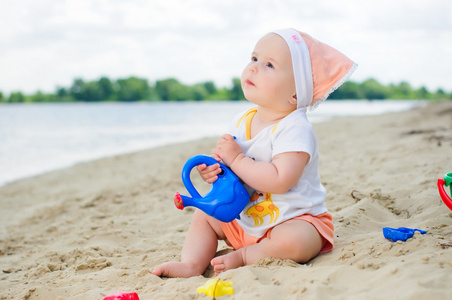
(100,227)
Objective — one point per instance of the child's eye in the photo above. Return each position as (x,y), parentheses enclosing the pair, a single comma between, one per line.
(270,65)
(254,58)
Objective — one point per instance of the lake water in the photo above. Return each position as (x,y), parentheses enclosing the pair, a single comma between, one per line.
(36,138)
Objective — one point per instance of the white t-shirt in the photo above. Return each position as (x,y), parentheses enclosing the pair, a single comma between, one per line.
(294,133)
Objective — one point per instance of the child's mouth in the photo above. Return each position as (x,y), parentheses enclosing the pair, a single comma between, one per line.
(249,82)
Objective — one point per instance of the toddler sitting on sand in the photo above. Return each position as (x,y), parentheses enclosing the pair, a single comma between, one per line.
(275,154)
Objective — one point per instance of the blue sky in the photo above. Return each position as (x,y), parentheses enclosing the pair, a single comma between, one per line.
(48,43)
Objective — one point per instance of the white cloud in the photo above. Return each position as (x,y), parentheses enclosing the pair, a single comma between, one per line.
(50,42)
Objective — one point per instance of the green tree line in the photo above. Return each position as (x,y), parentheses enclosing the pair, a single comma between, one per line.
(371,89)
(139,89)
(130,89)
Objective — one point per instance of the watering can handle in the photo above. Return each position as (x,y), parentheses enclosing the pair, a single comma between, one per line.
(189,165)
(443,194)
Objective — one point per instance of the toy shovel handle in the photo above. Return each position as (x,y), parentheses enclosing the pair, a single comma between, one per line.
(189,165)
(443,194)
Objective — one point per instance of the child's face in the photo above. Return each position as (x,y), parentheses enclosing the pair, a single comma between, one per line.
(268,79)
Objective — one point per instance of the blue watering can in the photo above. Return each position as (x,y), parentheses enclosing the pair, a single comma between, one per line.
(227,198)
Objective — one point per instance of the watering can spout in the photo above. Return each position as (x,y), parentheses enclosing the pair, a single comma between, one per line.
(206,204)
(227,198)
(178,201)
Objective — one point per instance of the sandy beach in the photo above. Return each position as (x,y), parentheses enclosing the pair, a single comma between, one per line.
(100,227)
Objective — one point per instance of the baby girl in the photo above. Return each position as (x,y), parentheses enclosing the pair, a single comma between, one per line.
(275,155)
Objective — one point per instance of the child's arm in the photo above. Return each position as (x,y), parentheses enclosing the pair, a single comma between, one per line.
(277,176)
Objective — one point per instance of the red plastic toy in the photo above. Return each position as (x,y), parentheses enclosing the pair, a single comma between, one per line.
(122,296)
(447,181)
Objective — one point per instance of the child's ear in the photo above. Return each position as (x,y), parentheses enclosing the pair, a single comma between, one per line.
(293,100)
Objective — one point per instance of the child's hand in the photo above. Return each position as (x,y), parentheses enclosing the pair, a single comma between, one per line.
(209,173)
(227,149)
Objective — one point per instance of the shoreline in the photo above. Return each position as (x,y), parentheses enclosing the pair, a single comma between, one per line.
(99,227)
(92,160)
(64,156)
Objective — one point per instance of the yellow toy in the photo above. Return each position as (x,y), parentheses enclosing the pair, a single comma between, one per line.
(216,288)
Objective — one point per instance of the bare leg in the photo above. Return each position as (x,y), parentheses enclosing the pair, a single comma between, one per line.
(199,248)
(295,239)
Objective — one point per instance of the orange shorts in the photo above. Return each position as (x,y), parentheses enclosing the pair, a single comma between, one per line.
(323,223)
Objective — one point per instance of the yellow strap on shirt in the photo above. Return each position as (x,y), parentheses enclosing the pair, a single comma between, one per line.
(248,117)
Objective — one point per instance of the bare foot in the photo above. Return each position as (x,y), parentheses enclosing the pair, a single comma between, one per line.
(176,269)
(229,261)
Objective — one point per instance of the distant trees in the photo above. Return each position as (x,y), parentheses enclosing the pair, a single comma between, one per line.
(129,89)
(139,89)
(371,89)
(236,91)
(16,97)
(170,89)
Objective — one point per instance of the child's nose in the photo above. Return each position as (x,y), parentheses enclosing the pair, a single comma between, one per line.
(253,67)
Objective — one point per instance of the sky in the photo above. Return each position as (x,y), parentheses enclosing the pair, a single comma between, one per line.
(46,44)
